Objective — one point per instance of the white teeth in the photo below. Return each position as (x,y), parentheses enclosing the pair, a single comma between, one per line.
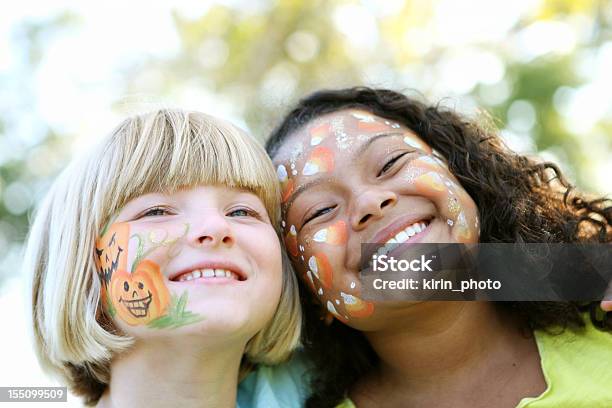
(404,235)
(401,237)
(207,273)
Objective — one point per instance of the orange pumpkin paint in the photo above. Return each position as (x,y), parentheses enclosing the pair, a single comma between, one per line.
(139,297)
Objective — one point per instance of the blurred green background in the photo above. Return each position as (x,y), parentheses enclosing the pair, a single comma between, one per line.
(69,72)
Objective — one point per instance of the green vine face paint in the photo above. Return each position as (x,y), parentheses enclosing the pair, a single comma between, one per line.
(206,258)
(351,177)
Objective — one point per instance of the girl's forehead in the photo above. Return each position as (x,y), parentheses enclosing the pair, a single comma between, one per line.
(341,133)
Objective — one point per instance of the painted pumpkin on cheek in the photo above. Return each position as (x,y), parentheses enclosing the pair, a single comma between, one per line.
(139,297)
(111,255)
(111,251)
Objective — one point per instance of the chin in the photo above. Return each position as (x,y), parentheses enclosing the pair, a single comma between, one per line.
(229,317)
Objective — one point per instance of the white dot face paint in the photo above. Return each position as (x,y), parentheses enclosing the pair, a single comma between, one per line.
(348,298)
(281,172)
(363,117)
(413,143)
(310,169)
(416,175)
(316,141)
(320,236)
(312,264)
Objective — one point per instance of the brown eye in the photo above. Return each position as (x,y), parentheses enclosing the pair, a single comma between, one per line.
(388,165)
(126,286)
(319,213)
(140,285)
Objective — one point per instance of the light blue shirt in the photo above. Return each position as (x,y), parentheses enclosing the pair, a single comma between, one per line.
(283,386)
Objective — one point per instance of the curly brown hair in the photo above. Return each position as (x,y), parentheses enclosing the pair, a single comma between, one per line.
(519,199)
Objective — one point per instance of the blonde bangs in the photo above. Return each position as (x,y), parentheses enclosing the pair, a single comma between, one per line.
(165,151)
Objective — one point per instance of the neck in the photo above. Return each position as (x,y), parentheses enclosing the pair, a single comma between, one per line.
(167,372)
(448,344)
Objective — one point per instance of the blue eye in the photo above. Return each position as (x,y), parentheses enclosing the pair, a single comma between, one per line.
(243,212)
(155,212)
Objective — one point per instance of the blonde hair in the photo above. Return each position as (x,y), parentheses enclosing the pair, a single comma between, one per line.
(161,151)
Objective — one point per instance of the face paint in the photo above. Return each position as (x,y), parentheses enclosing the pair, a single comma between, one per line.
(322,270)
(412,142)
(286,183)
(318,133)
(334,234)
(321,160)
(157,255)
(430,180)
(356,307)
(392,165)
(332,309)
(111,251)
(140,297)
(291,241)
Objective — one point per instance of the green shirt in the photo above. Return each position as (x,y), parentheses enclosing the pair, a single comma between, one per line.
(577,367)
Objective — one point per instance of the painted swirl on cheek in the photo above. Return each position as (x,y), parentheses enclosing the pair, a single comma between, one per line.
(291,241)
(335,234)
(321,160)
(357,307)
(287,184)
(321,269)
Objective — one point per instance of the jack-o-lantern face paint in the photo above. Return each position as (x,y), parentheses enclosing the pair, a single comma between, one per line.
(111,255)
(207,255)
(363,179)
(142,296)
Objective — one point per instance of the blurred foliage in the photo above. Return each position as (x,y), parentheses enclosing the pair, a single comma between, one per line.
(259,57)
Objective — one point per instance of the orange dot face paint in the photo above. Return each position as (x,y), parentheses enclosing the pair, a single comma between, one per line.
(291,241)
(321,160)
(286,183)
(335,234)
(318,133)
(360,178)
(321,269)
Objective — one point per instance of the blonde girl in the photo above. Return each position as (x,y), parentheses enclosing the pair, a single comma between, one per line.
(156,269)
